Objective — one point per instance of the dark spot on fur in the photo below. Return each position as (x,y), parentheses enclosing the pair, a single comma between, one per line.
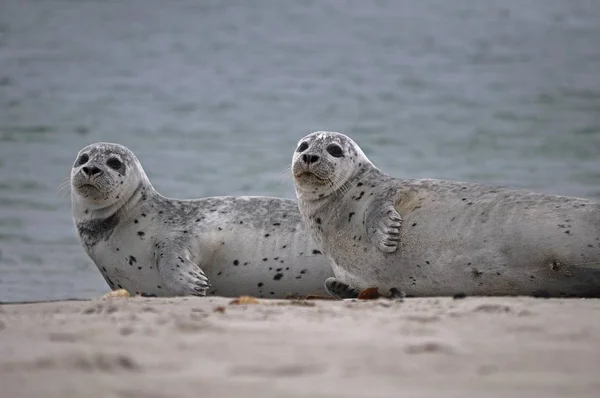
(236,262)
(316,252)
(132,260)
(284,246)
(220,229)
(220,273)
(267,235)
(303,271)
(359,197)
(265,259)
(143,214)
(158,286)
(275,223)
(350,216)
(141,233)
(427,262)
(414,224)
(260,284)
(318,220)
(567,232)
(360,184)
(94,231)
(139,267)
(278,276)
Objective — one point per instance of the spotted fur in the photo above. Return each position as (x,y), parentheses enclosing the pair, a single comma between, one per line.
(429,237)
(149,244)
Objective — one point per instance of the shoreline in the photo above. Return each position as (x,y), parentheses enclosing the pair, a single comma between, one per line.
(209,347)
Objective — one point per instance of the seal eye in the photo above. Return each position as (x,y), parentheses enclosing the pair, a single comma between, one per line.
(83,159)
(114,163)
(303,147)
(335,151)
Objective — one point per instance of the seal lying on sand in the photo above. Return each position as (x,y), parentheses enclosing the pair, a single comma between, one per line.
(148,244)
(429,237)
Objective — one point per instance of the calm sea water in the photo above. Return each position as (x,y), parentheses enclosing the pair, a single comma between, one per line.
(213,95)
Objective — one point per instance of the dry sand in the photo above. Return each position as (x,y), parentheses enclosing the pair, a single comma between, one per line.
(205,347)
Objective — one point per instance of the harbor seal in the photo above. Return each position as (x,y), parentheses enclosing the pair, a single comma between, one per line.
(428,237)
(152,245)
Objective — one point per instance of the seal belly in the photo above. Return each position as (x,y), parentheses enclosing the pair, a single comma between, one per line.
(265,263)
(503,243)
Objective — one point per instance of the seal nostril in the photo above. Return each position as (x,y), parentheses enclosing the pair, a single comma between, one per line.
(308,159)
(95,170)
(91,171)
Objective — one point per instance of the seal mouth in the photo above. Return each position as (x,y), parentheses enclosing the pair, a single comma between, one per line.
(87,188)
(308,177)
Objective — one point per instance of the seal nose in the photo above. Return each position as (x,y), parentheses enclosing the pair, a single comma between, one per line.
(91,171)
(308,159)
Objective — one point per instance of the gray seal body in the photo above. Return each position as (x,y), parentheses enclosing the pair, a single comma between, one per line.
(430,237)
(148,244)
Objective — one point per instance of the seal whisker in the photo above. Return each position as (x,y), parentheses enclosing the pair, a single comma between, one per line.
(283,177)
(64,187)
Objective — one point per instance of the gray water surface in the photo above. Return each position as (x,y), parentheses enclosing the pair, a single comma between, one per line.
(213,95)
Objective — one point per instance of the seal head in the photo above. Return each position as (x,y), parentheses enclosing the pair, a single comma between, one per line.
(325,163)
(105,176)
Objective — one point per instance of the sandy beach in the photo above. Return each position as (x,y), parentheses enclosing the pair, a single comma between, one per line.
(208,347)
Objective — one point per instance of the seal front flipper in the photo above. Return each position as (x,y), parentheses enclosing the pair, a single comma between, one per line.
(383,224)
(340,290)
(182,276)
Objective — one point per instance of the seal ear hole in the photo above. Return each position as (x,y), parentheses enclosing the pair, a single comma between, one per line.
(114,163)
(303,146)
(335,151)
(83,159)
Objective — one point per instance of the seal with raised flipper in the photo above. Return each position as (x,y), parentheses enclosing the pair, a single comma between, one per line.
(148,244)
(428,237)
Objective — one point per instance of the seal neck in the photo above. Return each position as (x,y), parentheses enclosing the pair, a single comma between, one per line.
(141,192)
